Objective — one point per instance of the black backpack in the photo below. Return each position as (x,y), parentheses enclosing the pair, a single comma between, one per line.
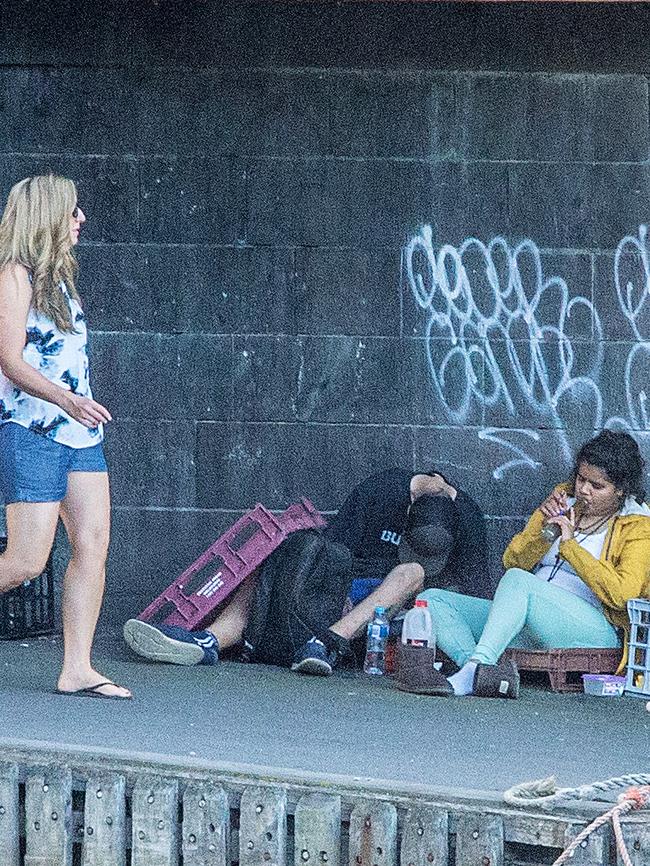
(300,592)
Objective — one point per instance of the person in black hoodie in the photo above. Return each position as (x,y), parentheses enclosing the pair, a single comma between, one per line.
(381,524)
(406,531)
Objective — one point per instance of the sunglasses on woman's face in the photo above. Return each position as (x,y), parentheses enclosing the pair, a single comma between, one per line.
(75,212)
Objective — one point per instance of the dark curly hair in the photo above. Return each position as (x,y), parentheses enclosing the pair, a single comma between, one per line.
(617,454)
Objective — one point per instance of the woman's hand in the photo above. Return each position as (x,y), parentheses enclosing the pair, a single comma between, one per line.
(88,412)
(567,524)
(555,504)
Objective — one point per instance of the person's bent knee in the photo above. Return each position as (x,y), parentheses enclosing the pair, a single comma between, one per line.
(435,594)
(412,576)
(25,570)
(515,577)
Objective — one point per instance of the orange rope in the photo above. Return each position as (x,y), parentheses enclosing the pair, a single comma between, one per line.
(633,798)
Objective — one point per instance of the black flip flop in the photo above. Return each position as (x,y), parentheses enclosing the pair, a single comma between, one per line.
(91,692)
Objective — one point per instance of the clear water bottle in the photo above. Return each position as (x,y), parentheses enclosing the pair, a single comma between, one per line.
(377,636)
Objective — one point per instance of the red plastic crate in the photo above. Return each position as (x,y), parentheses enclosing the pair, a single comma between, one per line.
(192,599)
(564,666)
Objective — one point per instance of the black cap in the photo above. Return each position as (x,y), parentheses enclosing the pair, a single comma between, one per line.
(429,534)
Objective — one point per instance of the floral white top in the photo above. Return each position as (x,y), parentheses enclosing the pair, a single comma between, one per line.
(63,359)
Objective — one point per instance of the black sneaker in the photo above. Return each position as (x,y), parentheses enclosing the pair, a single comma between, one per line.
(314,658)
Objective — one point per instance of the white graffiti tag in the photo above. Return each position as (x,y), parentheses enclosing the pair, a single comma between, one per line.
(505,339)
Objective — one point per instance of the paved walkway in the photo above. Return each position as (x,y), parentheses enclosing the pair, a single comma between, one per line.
(349,724)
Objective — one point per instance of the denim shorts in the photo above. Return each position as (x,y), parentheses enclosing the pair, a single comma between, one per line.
(34,468)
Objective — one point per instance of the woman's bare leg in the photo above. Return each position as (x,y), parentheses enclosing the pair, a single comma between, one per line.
(30,534)
(85,512)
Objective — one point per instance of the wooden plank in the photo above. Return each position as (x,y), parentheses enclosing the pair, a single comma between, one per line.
(373,834)
(206,825)
(479,840)
(154,823)
(636,835)
(317,833)
(263,827)
(547,831)
(104,830)
(425,837)
(9,815)
(594,851)
(48,818)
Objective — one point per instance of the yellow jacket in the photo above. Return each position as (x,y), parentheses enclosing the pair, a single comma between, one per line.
(623,570)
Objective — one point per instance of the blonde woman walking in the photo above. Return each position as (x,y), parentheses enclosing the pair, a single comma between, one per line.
(51,459)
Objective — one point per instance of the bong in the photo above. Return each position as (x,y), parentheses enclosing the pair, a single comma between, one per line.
(551,531)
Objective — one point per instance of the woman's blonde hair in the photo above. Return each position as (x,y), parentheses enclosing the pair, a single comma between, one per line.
(35,233)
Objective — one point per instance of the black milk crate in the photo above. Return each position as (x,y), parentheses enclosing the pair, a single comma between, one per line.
(28,610)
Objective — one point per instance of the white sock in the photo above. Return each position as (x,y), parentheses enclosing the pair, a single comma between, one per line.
(462,681)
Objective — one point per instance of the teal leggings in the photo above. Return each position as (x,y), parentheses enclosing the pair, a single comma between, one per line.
(526,612)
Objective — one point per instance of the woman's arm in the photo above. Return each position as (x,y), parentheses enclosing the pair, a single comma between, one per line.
(528,546)
(614,585)
(15,300)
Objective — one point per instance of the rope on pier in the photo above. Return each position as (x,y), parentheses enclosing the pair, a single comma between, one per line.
(544,792)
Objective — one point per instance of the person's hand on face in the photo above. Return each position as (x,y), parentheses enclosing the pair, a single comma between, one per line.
(435,485)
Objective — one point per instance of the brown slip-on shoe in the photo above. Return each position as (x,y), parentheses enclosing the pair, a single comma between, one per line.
(416,673)
(496,681)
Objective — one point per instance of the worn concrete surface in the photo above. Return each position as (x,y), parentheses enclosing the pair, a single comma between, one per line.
(349,725)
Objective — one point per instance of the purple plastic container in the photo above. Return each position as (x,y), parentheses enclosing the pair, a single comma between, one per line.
(603,685)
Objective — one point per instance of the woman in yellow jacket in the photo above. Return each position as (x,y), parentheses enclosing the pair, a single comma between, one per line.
(572,592)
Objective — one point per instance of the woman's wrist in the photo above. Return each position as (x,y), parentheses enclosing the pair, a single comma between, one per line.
(64,400)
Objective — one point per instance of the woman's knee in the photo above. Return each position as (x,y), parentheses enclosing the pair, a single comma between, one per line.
(516,578)
(26,567)
(435,595)
(412,576)
(441,602)
(91,545)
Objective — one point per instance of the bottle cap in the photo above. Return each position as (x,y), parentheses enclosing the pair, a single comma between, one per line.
(421,602)
(380,610)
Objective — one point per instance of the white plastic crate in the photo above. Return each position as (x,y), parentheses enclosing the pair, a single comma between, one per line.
(637,681)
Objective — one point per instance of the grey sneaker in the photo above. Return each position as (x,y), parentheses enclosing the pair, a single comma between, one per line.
(171,643)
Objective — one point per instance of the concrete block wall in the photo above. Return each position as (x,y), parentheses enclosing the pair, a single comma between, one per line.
(269,189)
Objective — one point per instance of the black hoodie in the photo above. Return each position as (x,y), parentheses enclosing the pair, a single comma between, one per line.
(371,521)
